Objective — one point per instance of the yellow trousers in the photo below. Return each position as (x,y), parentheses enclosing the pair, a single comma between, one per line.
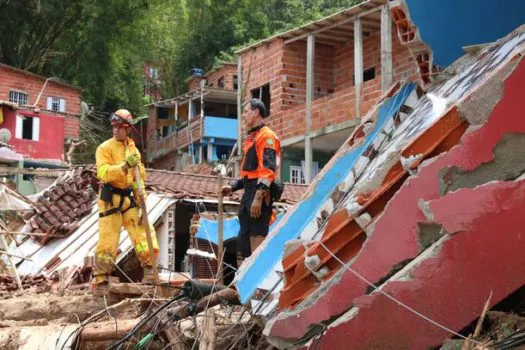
(109,237)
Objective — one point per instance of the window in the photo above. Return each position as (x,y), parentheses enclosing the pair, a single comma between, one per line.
(56,104)
(263,93)
(162,113)
(296,175)
(368,74)
(235,82)
(18,97)
(220,83)
(27,128)
(154,73)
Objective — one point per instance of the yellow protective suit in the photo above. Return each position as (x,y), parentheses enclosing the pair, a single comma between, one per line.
(110,156)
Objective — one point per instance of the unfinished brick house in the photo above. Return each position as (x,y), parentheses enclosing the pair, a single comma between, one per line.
(40,114)
(197,127)
(307,79)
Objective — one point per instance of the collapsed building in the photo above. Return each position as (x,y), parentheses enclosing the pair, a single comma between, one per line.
(399,242)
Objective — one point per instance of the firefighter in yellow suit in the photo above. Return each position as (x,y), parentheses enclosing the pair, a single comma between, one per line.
(117,203)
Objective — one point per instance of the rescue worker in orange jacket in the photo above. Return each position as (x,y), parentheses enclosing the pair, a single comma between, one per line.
(117,203)
(259,172)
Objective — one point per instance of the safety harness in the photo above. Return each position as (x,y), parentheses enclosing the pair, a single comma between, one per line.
(107,196)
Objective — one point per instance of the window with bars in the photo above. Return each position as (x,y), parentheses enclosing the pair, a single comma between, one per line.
(18,97)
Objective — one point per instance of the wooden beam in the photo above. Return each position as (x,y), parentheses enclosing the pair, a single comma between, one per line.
(310,56)
(26,171)
(358,65)
(332,38)
(331,26)
(240,91)
(386,49)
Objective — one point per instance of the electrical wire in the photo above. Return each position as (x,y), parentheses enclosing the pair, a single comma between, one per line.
(398,302)
(144,321)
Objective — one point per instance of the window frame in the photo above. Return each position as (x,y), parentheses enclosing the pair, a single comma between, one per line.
(299,179)
(18,92)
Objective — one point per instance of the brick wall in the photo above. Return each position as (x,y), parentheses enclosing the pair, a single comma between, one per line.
(294,67)
(228,71)
(263,65)
(284,66)
(167,162)
(31,85)
(71,127)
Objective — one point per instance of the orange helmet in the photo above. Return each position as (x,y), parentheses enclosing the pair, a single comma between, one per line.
(122,116)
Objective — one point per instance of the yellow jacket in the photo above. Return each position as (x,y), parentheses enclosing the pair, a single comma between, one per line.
(111,155)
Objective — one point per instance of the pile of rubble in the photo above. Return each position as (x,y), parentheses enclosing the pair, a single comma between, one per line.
(41,282)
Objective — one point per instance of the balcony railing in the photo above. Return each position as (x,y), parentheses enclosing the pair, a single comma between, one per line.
(212,127)
(160,148)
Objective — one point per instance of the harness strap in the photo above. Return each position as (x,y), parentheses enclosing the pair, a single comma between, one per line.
(123,194)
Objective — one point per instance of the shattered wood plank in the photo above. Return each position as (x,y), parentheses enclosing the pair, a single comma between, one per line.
(30,308)
(208,330)
(175,339)
(130,288)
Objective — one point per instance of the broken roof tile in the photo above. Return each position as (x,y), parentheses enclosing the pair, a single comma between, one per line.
(184,185)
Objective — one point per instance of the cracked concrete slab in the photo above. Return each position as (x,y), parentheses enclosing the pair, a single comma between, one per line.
(395,237)
(467,259)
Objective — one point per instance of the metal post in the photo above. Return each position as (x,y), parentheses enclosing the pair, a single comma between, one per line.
(358,65)
(190,144)
(310,53)
(239,116)
(386,49)
(220,247)
(210,151)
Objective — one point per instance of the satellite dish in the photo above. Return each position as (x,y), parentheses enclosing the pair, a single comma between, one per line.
(5,135)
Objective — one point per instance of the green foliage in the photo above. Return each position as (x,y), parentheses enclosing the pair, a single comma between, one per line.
(102,45)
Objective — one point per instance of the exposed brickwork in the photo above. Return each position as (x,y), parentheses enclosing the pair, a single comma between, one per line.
(167,162)
(32,84)
(284,67)
(226,71)
(71,127)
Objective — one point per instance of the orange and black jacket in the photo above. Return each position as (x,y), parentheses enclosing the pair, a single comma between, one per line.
(262,151)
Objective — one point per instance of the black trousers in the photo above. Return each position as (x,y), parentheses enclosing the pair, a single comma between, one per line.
(249,225)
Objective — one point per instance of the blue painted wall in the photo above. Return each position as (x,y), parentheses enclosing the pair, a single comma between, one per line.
(448,25)
(220,127)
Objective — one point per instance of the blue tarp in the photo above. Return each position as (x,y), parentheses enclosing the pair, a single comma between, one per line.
(209,229)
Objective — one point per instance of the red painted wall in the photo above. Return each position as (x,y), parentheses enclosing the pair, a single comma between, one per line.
(51,143)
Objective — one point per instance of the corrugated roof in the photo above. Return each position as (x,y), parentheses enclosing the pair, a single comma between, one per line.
(71,251)
(321,24)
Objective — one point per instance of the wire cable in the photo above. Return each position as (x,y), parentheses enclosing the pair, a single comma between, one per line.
(398,302)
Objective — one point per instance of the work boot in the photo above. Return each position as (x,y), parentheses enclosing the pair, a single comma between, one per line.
(148,275)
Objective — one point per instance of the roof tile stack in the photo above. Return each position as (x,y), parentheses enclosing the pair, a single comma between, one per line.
(60,208)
